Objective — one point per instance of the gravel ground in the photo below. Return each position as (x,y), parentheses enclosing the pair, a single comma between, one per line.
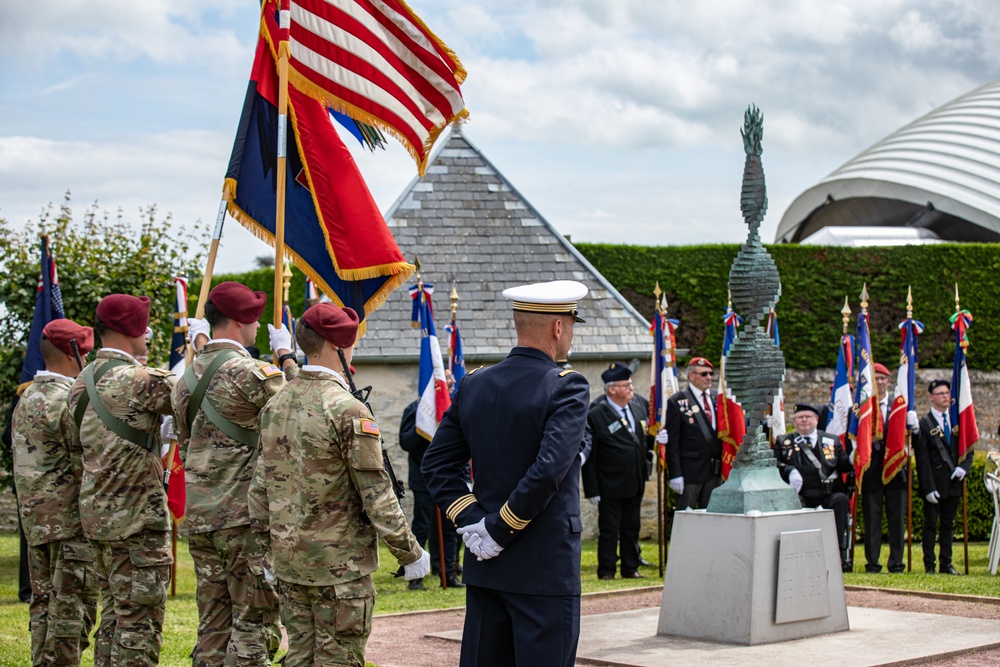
(400,640)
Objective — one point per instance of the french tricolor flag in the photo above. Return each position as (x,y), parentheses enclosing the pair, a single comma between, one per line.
(432,387)
(963,413)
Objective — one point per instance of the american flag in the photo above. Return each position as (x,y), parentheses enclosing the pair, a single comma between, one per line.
(377,62)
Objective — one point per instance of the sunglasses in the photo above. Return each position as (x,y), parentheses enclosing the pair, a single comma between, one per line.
(705,374)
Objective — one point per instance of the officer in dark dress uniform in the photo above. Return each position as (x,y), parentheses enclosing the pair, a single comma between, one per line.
(522,423)
(875,494)
(812,461)
(936,450)
(694,451)
(616,471)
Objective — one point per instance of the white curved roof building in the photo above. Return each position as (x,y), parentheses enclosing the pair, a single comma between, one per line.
(940,173)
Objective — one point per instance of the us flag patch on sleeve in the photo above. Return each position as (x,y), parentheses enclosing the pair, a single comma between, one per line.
(270,370)
(370,427)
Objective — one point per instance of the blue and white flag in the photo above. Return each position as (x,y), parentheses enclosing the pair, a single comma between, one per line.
(432,386)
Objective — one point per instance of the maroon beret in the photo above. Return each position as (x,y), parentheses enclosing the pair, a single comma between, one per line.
(700,362)
(337,325)
(238,302)
(880,369)
(124,313)
(61,332)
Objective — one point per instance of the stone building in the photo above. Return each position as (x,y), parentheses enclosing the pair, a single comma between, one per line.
(469,227)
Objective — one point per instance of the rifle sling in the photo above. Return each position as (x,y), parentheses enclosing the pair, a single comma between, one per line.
(126,432)
(198,401)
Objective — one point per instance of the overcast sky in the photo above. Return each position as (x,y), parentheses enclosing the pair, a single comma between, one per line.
(617,119)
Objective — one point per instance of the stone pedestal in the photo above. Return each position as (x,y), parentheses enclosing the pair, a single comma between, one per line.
(753,579)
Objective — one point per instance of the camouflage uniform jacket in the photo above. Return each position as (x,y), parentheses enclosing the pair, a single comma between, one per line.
(217,468)
(320,472)
(122,488)
(46,470)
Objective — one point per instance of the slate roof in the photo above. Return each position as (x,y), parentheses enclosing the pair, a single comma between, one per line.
(468,225)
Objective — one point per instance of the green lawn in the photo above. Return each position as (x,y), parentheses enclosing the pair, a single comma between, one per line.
(182,617)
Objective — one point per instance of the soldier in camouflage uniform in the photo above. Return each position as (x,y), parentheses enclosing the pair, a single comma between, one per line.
(123,506)
(218,467)
(47,476)
(322,498)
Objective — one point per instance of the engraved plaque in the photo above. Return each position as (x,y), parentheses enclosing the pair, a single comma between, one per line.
(803,591)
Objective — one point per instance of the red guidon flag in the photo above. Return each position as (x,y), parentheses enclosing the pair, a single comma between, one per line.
(377,62)
(176,490)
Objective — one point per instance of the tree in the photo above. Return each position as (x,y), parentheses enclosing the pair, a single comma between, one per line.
(97,255)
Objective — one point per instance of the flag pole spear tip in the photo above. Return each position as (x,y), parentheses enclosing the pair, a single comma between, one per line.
(864,296)
(846,312)
(454,301)
(657,291)
(957,306)
(909,302)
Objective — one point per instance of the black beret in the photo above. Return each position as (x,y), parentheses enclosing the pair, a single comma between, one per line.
(618,371)
(806,407)
(937,383)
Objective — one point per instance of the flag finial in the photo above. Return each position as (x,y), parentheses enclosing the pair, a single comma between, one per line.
(454,301)
(909,302)
(958,307)
(846,312)
(657,291)
(864,297)
(286,275)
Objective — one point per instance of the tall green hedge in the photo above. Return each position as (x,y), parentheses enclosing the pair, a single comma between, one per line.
(814,282)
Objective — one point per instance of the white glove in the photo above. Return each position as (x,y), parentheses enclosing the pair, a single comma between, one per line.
(795,480)
(676,484)
(662,436)
(281,339)
(583,458)
(197,328)
(959,473)
(149,334)
(932,497)
(419,568)
(595,499)
(483,548)
(912,422)
(167,429)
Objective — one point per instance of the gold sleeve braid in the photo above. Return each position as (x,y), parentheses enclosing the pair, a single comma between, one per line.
(511,519)
(460,506)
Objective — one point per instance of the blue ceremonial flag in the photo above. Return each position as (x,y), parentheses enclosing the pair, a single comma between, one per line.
(863,421)
(48,307)
(456,358)
(840,394)
(178,343)
(432,385)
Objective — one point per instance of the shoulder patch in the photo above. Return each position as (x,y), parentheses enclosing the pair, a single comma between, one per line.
(159,372)
(370,427)
(567,372)
(267,371)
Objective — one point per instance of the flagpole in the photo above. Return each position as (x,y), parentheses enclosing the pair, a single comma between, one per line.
(857,482)
(909,465)
(965,491)
(279,220)
(659,464)
(206,278)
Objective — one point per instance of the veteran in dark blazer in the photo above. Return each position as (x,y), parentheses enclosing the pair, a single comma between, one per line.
(615,473)
(522,423)
(940,475)
(812,462)
(694,451)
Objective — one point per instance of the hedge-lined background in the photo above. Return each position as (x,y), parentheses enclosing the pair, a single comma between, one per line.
(814,282)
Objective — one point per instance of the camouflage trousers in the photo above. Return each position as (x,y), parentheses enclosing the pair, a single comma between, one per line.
(234,627)
(63,600)
(137,571)
(327,625)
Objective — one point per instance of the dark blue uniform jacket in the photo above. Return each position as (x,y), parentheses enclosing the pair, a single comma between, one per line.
(522,423)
